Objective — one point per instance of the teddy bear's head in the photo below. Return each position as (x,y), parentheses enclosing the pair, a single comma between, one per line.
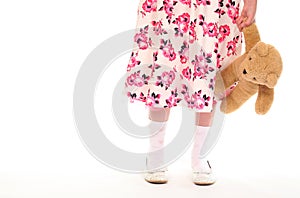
(262,65)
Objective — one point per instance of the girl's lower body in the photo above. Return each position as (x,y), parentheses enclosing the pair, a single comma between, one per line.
(178,47)
(202,173)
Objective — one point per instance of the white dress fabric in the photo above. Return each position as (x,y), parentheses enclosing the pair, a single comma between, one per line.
(178,47)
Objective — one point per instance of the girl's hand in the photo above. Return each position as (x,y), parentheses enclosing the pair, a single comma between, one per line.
(247,15)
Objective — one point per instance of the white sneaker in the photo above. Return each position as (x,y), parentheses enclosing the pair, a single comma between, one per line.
(204,177)
(157,176)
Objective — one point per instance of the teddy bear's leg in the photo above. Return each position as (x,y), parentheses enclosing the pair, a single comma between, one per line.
(264,99)
(242,92)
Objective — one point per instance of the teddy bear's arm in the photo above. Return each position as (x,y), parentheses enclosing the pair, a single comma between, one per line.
(264,99)
(241,93)
(252,36)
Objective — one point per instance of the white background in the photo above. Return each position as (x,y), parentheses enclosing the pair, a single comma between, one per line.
(42,46)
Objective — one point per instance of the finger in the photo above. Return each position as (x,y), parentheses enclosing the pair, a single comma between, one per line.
(239,20)
(240,27)
(248,21)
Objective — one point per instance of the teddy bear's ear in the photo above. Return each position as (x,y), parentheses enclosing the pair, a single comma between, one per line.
(271,80)
(262,49)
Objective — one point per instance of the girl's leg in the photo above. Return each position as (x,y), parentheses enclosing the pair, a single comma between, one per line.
(157,128)
(203,122)
(204,118)
(201,169)
(159,114)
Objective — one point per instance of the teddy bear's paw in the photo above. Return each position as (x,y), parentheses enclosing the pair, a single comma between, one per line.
(261,109)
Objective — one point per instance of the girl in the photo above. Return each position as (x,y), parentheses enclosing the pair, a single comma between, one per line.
(179,46)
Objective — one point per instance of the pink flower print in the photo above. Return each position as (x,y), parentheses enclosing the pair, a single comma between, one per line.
(155,54)
(232,10)
(149,5)
(183,53)
(231,46)
(201,67)
(137,80)
(184,91)
(211,29)
(168,6)
(131,96)
(197,101)
(130,79)
(182,22)
(154,66)
(187,98)
(166,79)
(211,83)
(187,2)
(221,3)
(173,100)
(141,40)
(183,59)
(201,17)
(133,61)
(190,103)
(224,31)
(203,2)
(220,11)
(184,19)
(142,97)
(187,73)
(152,99)
(218,55)
(168,50)
(192,32)
(199,70)
(219,60)
(157,28)
(171,54)
(206,99)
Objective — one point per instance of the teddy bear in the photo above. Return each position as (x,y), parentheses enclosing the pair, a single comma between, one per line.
(255,71)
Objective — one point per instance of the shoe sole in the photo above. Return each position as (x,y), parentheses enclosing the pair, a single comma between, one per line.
(204,183)
(156,182)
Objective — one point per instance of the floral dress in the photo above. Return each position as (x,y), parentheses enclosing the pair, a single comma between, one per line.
(178,47)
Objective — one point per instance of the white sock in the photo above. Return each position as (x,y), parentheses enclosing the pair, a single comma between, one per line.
(157,132)
(197,163)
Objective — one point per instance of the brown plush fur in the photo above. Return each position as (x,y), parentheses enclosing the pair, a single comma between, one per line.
(257,71)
